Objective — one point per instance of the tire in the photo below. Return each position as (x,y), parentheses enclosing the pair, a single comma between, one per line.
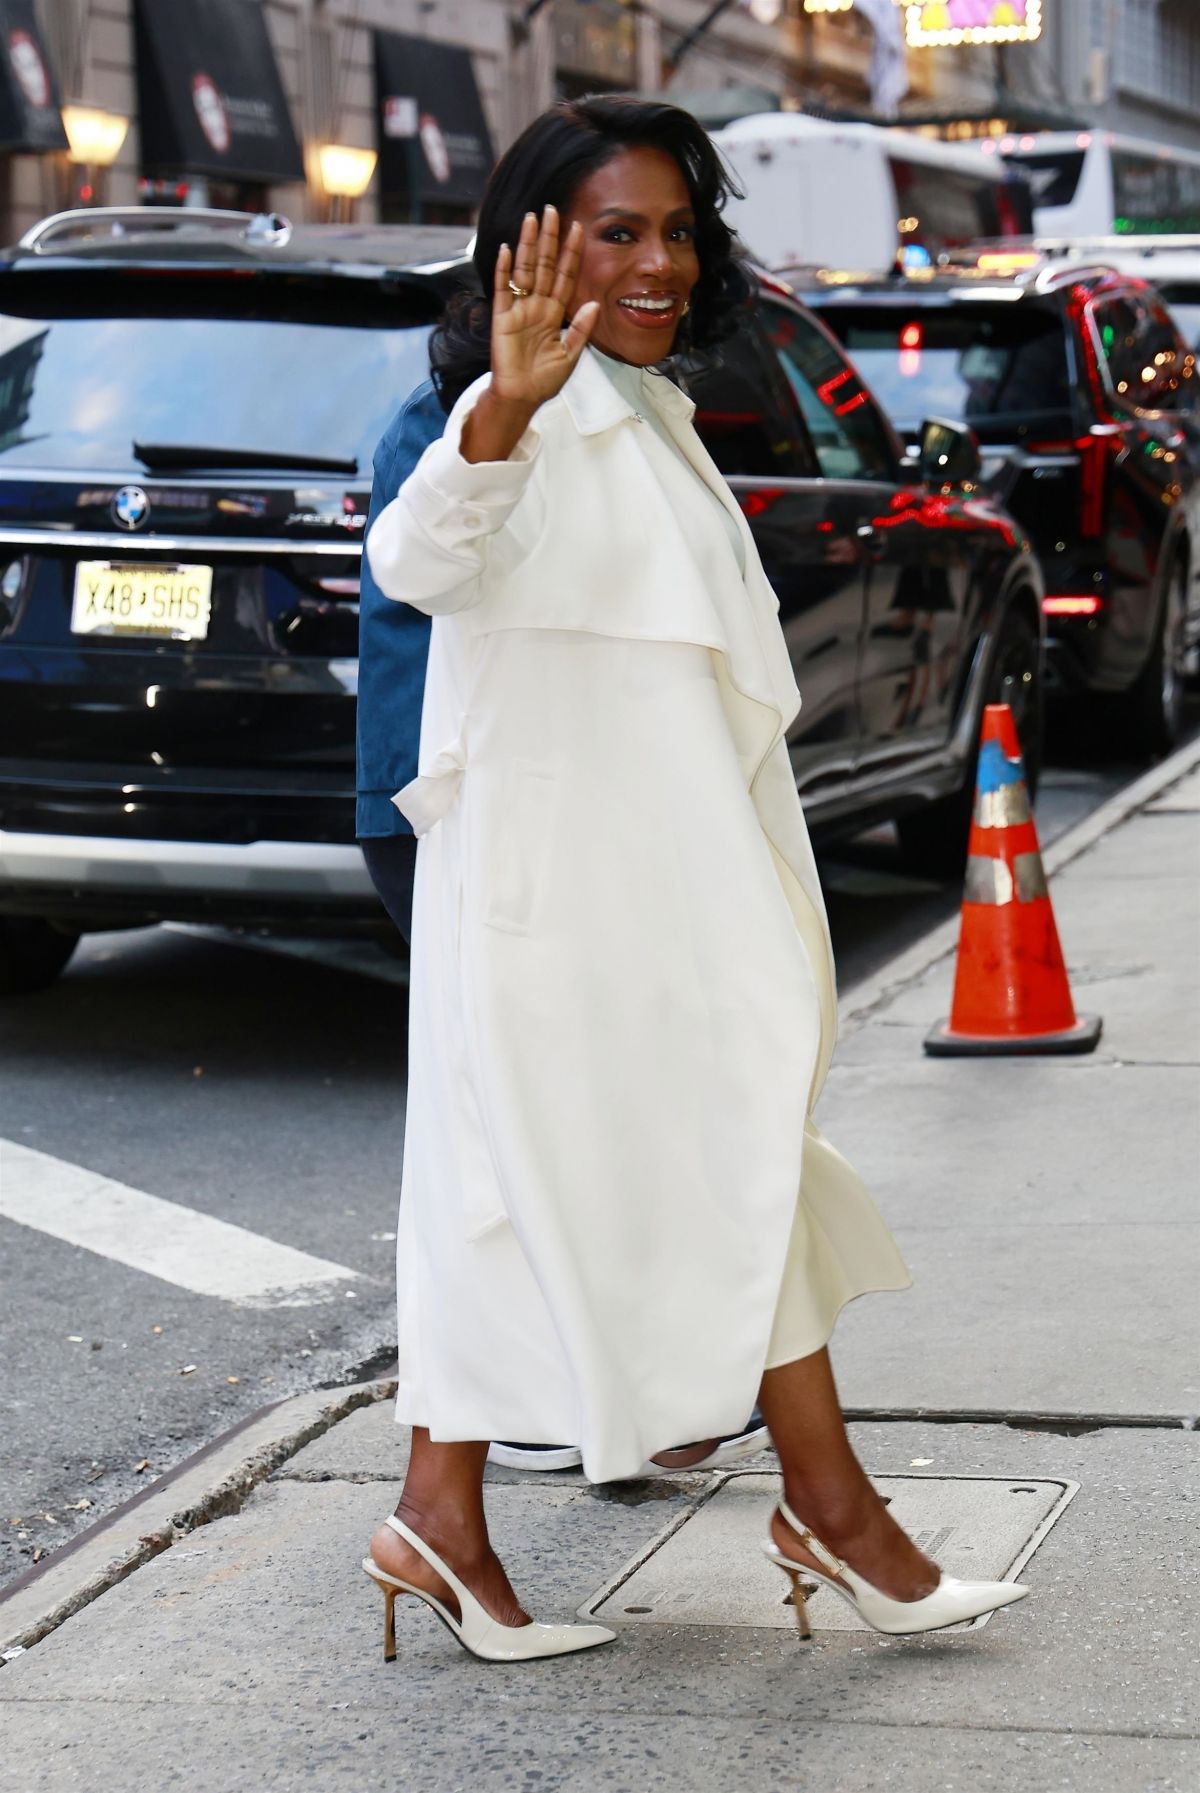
(933,840)
(32,953)
(1150,713)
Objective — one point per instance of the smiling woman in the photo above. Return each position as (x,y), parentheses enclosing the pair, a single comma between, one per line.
(619,1224)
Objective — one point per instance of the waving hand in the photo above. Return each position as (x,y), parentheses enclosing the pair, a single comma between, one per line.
(532,353)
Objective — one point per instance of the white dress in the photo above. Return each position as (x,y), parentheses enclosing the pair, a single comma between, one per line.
(616,1211)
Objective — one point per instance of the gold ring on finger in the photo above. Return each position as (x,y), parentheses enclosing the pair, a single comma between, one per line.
(518,292)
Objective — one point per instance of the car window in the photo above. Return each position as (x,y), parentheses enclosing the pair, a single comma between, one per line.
(999,366)
(849,437)
(744,412)
(1149,364)
(251,365)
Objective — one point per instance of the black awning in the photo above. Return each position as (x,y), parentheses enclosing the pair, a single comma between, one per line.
(209,93)
(29,114)
(434,144)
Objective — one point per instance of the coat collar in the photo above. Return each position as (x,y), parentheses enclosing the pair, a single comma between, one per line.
(595,404)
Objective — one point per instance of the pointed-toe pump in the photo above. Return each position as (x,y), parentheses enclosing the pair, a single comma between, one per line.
(475,1628)
(951,1602)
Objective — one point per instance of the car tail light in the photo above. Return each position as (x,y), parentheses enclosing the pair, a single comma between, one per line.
(912,338)
(1087,603)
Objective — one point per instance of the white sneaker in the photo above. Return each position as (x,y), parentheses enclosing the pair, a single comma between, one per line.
(535,1456)
(752,1438)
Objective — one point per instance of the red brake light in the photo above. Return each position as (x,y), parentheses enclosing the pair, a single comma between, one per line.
(912,336)
(1087,603)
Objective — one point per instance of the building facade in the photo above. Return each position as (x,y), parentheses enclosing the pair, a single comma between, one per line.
(231,101)
(1130,66)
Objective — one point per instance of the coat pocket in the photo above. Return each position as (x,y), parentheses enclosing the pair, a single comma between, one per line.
(516,878)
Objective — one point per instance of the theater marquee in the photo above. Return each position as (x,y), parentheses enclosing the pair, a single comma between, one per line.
(930,22)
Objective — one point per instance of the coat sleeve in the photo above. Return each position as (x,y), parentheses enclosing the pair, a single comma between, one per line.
(429,547)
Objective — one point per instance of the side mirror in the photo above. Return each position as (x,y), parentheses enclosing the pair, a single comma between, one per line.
(949,453)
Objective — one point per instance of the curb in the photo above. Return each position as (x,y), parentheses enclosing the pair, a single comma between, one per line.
(908,967)
(210,1484)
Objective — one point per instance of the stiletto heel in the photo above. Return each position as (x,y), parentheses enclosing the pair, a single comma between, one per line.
(951,1602)
(800,1603)
(475,1628)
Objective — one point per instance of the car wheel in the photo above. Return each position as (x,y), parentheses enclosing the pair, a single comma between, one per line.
(1151,711)
(933,840)
(32,953)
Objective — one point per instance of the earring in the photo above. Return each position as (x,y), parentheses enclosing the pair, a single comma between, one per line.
(687,306)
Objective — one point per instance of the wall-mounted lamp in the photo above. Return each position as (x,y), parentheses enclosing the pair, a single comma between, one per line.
(345,174)
(95,137)
(94,140)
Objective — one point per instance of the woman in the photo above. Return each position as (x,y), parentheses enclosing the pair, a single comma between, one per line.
(618,1221)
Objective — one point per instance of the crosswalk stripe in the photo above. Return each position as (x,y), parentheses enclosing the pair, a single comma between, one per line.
(164,1239)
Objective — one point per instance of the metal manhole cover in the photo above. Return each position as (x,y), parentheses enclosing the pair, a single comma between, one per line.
(708,1569)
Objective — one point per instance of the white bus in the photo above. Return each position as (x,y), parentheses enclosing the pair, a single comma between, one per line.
(820,194)
(1094,184)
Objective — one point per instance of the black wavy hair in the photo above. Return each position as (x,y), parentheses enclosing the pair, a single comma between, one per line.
(545,166)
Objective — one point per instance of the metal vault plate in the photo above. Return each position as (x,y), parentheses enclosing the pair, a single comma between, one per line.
(709,1569)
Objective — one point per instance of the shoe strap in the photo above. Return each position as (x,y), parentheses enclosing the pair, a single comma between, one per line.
(465,1597)
(811,1543)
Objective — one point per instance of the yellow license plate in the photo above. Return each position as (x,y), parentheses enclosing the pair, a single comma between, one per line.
(111,599)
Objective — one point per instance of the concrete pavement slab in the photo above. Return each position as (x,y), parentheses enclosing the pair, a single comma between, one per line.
(1010,1348)
(1032,1195)
(242,1748)
(249,1656)
(1167,849)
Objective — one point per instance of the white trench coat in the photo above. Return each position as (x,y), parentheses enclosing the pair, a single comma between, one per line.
(616,1210)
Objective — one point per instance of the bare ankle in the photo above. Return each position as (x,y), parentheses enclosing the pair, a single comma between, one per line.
(832,1512)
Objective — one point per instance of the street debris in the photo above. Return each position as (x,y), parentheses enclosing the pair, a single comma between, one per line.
(188,1369)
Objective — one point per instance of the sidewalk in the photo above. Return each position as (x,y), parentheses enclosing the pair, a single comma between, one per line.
(1050,1211)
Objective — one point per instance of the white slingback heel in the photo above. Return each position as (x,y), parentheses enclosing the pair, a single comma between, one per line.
(476,1629)
(951,1602)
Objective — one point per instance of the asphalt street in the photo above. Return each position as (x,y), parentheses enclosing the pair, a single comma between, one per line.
(261,1089)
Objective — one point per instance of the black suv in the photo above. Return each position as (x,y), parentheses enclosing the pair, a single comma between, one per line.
(191,405)
(1084,396)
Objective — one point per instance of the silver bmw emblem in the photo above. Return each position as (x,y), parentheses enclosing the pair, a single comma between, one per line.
(130,507)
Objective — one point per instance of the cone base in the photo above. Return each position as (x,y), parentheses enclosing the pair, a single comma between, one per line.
(1083,1037)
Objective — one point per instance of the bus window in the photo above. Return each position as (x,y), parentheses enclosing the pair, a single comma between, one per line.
(1153,193)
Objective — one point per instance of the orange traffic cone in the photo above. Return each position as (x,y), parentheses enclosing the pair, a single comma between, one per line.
(1010,984)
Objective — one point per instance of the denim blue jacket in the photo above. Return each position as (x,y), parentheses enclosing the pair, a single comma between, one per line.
(393,640)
